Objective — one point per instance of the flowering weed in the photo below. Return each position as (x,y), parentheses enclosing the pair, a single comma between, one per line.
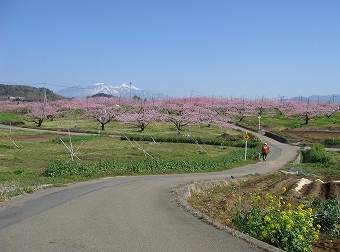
(270,219)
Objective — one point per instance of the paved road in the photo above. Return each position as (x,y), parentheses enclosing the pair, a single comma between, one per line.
(122,214)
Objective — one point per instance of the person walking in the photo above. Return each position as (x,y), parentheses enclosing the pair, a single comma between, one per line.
(264,150)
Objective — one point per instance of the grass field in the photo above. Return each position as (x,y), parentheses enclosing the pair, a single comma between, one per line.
(280,123)
(26,155)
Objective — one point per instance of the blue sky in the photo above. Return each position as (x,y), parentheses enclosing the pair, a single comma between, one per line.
(250,48)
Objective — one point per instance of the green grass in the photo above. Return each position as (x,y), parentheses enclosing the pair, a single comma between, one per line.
(36,150)
(279,123)
(11,118)
(148,165)
(120,128)
(26,156)
(329,171)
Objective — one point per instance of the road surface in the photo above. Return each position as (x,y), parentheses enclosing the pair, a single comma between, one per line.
(136,213)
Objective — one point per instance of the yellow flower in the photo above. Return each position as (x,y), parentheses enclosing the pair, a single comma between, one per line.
(299,237)
(284,189)
(267,218)
(301,214)
(301,206)
(318,226)
(270,208)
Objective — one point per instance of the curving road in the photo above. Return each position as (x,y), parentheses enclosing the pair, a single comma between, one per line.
(136,213)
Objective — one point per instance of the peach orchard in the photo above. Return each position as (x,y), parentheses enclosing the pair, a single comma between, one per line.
(177,111)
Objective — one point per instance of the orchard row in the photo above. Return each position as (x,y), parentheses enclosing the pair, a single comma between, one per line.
(179,111)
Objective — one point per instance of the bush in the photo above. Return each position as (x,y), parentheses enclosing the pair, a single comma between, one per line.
(333,141)
(327,214)
(317,154)
(270,220)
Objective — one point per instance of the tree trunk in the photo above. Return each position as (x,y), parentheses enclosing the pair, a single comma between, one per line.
(39,122)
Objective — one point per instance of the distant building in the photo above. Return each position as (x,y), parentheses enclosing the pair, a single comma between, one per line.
(19,98)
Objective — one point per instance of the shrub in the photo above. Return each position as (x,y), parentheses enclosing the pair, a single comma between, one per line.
(271,220)
(317,154)
(327,214)
(333,141)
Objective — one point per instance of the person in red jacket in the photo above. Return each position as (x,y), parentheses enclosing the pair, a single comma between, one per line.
(265,150)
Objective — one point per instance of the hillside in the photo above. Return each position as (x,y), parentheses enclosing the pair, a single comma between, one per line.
(26,93)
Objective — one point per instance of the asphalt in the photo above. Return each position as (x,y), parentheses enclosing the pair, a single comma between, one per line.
(137,213)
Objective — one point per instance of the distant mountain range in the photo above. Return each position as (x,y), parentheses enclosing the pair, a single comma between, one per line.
(317,98)
(124,90)
(29,93)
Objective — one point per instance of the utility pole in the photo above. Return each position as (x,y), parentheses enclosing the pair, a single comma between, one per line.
(130,89)
(44,99)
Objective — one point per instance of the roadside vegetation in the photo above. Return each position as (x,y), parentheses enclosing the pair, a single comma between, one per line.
(271,209)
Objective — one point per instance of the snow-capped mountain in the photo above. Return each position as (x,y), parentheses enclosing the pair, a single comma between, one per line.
(124,90)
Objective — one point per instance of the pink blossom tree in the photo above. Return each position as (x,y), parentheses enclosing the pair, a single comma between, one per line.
(180,112)
(328,109)
(268,106)
(305,110)
(39,111)
(140,114)
(234,110)
(104,110)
